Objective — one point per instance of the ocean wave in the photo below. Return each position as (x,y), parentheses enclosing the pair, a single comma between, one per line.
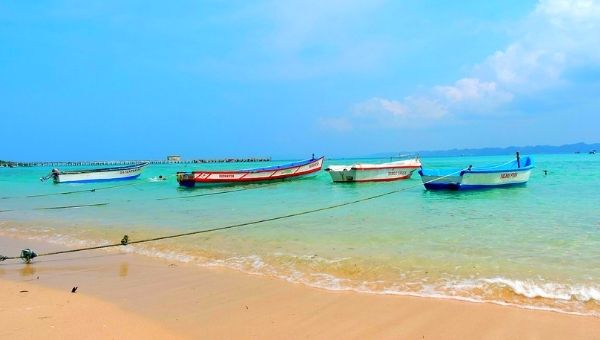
(555,291)
(312,258)
(559,297)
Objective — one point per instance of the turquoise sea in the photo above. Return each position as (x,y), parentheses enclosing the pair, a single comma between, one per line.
(536,246)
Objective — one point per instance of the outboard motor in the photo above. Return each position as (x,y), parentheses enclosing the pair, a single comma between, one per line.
(53,174)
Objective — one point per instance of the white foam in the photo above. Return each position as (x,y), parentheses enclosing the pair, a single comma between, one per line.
(152,252)
(313,258)
(461,290)
(555,291)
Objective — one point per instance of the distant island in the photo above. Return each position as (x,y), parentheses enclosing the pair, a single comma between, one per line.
(525,150)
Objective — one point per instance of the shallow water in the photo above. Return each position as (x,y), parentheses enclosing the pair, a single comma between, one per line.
(536,246)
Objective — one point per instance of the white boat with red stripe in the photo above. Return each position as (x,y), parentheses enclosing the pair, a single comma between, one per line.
(266,174)
(382,172)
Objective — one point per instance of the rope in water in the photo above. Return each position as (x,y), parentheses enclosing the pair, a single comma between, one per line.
(158,199)
(73,191)
(28,254)
(60,207)
(124,185)
(216,192)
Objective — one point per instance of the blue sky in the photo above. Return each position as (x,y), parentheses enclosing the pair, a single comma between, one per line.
(139,79)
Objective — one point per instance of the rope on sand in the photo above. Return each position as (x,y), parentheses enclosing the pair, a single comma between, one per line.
(27,254)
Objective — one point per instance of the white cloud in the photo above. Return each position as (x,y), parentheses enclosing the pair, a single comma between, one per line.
(335,123)
(378,112)
(472,89)
(466,95)
(558,36)
(565,13)
(375,105)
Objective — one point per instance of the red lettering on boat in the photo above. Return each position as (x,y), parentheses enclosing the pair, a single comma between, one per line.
(508,175)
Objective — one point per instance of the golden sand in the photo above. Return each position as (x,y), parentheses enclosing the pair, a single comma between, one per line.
(127,296)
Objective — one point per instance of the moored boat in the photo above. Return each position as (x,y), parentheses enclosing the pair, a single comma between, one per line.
(97,175)
(512,173)
(382,172)
(255,175)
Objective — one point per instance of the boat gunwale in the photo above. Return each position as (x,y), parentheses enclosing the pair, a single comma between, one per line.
(284,166)
(259,179)
(386,167)
(118,168)
(404,164)
(373,168)
(490,171)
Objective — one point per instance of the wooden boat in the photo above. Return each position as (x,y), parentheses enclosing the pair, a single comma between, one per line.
(97,175)
(382,172)
(513,173)
(266,174)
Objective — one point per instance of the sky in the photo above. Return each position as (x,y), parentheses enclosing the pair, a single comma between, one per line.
(128,79)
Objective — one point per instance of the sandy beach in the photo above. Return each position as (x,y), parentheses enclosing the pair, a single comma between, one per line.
(122,295)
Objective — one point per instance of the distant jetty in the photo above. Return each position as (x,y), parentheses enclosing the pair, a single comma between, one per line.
(127,162)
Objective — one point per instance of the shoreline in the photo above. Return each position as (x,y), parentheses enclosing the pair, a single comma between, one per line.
(221,302)
(191,260)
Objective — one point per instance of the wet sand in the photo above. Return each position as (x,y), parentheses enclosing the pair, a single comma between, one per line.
(124,295)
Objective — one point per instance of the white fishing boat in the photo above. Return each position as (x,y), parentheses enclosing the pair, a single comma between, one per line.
(382,172)
(97,175)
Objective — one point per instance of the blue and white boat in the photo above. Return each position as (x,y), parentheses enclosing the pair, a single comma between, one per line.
(97,175)
(513,173)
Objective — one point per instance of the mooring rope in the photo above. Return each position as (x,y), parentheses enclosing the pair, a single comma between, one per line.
(130,184)
(73,191)
(217,192)
(28,254)
(158,199)
(60,207)
(72,206)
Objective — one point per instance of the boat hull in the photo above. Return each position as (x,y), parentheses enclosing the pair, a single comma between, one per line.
(494,180)
(99,176)
(271,174)
(372,175)
(438,183)
(385,172)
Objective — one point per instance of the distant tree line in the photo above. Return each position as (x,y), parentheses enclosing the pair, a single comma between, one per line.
(7,163)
